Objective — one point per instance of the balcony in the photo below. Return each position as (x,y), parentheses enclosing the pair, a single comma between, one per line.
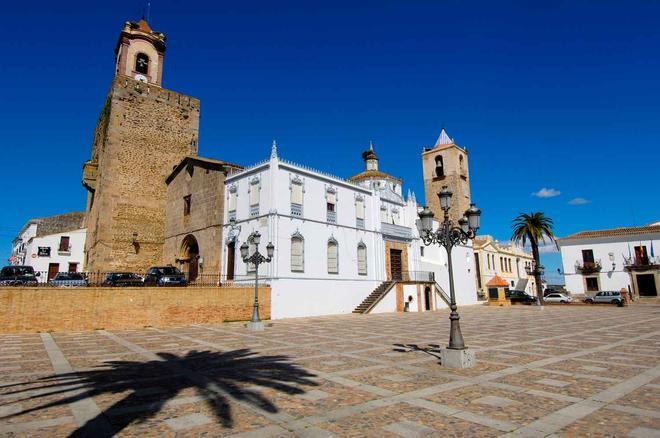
(359,223)
(588,267)
(254,210)
(397,231)
(641,263)
(332,217)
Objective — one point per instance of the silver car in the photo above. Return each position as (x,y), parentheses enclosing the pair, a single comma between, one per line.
(605,296)
(69,279)
(556,297)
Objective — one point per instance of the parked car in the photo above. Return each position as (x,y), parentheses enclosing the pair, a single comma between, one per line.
(165,276)
(69,279)
(18,276)
(123,279)
(557,298)
(605,296)
(520,296)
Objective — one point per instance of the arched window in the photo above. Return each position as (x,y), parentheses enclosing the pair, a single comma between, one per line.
(439,167)
(362,258)
(297,253)
(142,63)
(333,257)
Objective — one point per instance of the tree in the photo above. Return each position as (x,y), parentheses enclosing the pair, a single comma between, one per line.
(535,227)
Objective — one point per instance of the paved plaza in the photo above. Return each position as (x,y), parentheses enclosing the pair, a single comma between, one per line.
(562,371)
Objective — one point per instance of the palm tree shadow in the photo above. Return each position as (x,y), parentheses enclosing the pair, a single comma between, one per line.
(218,377)
(432,349)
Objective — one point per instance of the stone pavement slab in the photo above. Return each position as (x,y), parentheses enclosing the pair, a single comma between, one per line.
(537,374)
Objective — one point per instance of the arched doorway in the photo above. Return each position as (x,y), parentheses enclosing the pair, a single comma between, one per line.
(427,298)
(190,256)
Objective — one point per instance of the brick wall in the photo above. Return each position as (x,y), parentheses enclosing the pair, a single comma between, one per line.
(142,133)
(27,310)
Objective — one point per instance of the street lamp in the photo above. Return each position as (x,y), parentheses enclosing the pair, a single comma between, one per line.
(256,259)
(447,235)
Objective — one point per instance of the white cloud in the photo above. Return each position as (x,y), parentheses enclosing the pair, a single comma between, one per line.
(546,193)
(548,248)
(578,201)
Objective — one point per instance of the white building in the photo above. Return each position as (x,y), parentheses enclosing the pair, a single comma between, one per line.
(612,259)
(51,244)
(336,241)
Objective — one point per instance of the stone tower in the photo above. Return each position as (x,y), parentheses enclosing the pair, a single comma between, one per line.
(446,164)
(143,131)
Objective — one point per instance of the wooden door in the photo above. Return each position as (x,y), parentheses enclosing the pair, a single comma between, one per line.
(231,254)
(395,264)
(53,269)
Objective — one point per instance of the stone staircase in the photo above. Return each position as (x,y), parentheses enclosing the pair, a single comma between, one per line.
(375,296)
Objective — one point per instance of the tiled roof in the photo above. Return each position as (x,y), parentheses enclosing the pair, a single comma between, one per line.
(60,223)
(622,231)
(497,281)
(373,174)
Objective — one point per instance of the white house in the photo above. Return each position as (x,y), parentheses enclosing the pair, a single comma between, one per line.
(51,244)
(336,241)
(612,259)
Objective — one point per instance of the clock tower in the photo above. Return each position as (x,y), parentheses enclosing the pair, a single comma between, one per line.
(139,53)
(143,131)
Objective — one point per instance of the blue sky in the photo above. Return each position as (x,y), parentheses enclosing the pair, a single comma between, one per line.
(562,96)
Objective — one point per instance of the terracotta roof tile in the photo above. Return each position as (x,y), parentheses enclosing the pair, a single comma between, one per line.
(622,231)
(497,281)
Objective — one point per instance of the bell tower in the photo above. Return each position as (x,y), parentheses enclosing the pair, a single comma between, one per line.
(139,53)
(446,164)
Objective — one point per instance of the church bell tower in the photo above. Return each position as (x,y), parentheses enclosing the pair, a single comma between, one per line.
(139,53)
(446,164)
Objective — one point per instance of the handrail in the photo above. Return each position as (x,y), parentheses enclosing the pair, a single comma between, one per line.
(440,291)
(380,297)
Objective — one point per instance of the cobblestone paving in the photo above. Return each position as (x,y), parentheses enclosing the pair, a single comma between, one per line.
(582,371)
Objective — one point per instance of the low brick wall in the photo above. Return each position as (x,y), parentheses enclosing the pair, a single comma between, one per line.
(29,310)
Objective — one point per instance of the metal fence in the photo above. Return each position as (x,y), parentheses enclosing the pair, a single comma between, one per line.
(124,279)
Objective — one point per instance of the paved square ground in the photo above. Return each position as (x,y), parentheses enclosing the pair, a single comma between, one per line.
(561,371)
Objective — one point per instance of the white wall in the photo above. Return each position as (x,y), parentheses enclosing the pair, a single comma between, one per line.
(75,255)
(609,278)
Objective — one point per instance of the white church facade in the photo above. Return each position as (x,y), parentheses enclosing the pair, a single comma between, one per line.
(341,245)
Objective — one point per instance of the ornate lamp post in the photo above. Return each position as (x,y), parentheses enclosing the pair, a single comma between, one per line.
(256,258)
(447,235)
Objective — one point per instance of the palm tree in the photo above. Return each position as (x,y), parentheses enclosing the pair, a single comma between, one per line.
(535,227)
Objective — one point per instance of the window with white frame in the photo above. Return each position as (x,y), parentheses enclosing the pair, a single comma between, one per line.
(396,218)
(362,258)
(296,197)
(333,257)
(383,214)
(331,205)
(255,191)
(233,197)
(359,212)
(297,253)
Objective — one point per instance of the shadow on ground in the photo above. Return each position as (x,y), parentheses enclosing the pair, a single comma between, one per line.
(433,350)
(218,377)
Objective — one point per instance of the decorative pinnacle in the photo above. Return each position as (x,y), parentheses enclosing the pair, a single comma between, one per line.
(371,145)
(273,150)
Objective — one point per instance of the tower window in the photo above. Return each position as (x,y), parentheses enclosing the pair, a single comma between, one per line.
(186,205)
(142,63)
(439,168)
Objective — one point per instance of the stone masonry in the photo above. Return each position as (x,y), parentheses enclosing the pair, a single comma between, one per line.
(202,180)
(142,133)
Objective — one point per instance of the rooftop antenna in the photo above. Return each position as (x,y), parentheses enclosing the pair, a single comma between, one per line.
(146,10)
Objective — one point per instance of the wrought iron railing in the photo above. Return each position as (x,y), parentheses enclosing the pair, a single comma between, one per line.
(254,210)
(332,217)
(588,267)
(417,276)
(359,223)
(643,262)
(124,279)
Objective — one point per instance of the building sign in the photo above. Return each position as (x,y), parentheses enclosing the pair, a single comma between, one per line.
(44,251)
